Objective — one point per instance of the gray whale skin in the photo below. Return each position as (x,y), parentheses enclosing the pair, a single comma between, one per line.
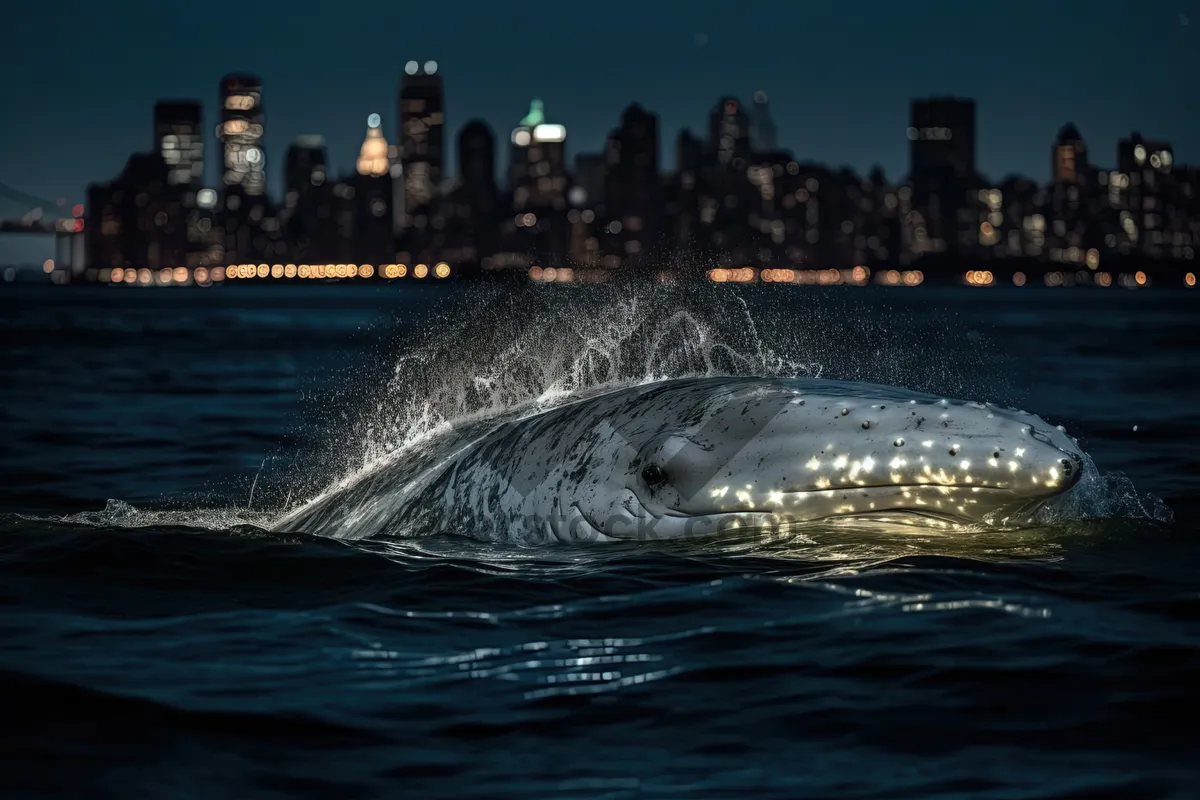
(698,456)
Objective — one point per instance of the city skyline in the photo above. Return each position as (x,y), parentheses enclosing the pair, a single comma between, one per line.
(734,199)
(345,163)
(834,83)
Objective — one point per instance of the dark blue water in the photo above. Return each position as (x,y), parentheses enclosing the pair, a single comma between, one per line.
(166,646)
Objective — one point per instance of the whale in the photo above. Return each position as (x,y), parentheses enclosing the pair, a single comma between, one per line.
(695,457)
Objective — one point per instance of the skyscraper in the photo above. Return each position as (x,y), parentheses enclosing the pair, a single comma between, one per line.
(729,130)
(179,139)
(305,165)
(241,133)
(537,165)
(476,200)
(1069,160)
(422,124)
(941,133)
(373,155)
(763,137)
(632,184)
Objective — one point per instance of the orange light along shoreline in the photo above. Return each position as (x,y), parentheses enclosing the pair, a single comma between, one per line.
(208,276)
(855,276)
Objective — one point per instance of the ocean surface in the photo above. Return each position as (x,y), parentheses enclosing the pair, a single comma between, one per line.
(156,641)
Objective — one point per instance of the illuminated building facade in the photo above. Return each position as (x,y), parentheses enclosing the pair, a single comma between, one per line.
(373,155)
(729,200)
(241,134)
(1144,188)
(371,193)
(179,139)
(537,163)
(1072,224)
(422,133)
(1069,159)
(538,228)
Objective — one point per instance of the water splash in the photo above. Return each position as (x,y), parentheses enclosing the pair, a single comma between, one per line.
(503,351)
(497,351)
(119,514)
(1103,496)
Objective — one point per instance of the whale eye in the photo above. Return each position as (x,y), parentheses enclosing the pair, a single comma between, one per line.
(654,475)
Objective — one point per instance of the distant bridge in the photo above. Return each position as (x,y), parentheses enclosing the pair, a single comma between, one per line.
(43,217)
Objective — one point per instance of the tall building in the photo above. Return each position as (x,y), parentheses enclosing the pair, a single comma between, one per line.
(537,165)
(306,164)
(241,134)
(633,188)
(309,200)
(1069,161)
(422,125)
(729,130)
(1144,172)
(763,135)
(477,155)
(1137,154)
(179,139)
(372,235)
(373,155)
(941,136)
(1070,199)
(590,170)
(941,133)
(475,220)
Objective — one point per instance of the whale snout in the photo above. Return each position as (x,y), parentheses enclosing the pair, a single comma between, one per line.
(1072,468)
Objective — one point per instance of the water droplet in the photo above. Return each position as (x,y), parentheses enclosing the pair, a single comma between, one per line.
(866,424)
(898,443)
(845,411)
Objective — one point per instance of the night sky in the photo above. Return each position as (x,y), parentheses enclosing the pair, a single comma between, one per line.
(81,79)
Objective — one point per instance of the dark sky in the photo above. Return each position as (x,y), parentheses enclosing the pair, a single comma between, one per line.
(80,79)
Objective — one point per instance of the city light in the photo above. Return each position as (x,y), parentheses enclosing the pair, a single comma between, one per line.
(775,219)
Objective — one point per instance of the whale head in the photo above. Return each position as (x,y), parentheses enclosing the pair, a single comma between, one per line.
(704,456)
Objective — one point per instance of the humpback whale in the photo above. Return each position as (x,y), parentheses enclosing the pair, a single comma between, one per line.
(698,456)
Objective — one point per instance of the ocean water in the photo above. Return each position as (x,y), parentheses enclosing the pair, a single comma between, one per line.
(157,641)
